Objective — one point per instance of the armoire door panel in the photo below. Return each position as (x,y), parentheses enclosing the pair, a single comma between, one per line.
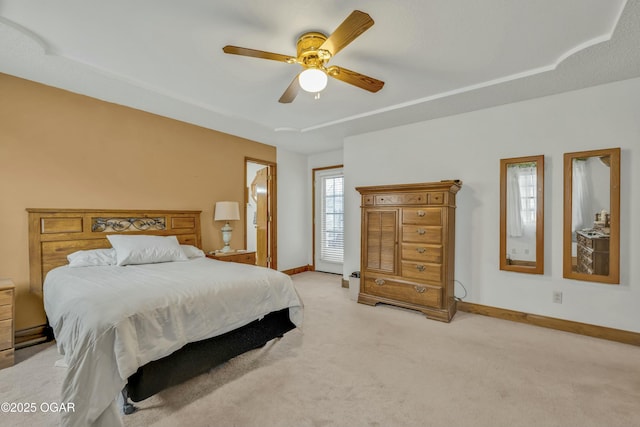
(381,240)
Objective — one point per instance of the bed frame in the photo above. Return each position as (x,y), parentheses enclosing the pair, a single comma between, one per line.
(55,233)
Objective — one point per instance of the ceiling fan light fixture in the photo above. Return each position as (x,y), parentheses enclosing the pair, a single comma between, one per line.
(313,80)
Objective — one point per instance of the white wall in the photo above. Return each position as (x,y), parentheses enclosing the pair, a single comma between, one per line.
(323,160)
(294,205)
(469,147)
(293,210)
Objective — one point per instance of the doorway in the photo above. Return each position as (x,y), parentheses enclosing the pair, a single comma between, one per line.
(260,236)
(328,219)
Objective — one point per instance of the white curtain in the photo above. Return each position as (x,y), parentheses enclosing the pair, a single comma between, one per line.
(514,204)
(581,196)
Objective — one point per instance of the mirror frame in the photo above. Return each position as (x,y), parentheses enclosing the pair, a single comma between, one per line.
(614,210)
(504,265)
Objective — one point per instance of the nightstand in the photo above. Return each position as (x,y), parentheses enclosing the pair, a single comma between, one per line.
(7,298)
(241,257)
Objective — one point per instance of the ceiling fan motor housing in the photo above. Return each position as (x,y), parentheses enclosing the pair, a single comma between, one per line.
(309,53)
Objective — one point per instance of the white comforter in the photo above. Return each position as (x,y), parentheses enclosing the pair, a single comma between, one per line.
(108,321)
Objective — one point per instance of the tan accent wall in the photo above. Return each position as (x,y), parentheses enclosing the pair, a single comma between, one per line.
(63,150)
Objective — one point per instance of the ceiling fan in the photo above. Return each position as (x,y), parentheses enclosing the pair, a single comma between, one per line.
(314,50)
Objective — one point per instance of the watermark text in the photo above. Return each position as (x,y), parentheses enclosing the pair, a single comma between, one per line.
(33,407)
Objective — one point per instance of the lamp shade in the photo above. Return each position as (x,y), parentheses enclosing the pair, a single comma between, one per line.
(226,211)
(313,80)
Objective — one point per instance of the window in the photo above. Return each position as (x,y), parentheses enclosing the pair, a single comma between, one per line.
(332,219)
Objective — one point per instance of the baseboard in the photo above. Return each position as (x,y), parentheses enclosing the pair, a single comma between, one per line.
(619,335)
(297,270)
(31,336)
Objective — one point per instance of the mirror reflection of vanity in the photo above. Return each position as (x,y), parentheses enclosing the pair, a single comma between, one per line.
(522,214)
(592,215)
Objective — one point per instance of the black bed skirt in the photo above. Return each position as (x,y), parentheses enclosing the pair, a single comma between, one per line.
(198,357)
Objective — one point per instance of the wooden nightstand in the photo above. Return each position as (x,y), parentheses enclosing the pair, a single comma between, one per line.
(241,257)
(7,297)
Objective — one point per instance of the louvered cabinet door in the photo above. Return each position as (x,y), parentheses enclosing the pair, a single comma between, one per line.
(380,243)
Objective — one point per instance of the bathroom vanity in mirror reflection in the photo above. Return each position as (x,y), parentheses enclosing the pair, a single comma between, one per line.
(522,214)
(592,216)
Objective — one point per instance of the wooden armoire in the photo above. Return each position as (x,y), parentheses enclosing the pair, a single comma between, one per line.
(408,246)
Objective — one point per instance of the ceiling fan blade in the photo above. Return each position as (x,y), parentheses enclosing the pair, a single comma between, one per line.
(290,94)
(355,24)
(235,50)
(356,79)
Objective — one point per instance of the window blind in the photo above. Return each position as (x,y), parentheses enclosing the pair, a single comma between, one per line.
(332,219)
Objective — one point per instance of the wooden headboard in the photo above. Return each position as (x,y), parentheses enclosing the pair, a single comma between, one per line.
(55,233)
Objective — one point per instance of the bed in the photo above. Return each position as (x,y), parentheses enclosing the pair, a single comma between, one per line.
(142,327)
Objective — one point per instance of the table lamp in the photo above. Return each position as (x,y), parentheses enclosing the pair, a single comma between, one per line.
(226,211)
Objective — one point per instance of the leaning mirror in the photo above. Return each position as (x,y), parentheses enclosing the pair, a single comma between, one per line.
(591,249)
(522,214)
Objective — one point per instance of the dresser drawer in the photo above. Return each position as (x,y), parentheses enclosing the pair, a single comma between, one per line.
(7,292)
(6,312)
(368,200)
(422,234)
(240,257)
(420,252)
(401,199)
(244,258)
(422,271)
(415,294)
(584,251)
(6,358)
(6,334)
(436,198)
(596,243)
(6,297)
(423,216)
(584,268)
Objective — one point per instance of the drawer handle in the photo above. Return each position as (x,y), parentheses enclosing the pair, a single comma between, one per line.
(379,282)
(421,250)
(420,267)
(421,213)
(420,289)
(421,231)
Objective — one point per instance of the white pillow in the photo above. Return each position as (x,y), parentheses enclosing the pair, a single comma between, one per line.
(92,257)
(192,251)
(140,249)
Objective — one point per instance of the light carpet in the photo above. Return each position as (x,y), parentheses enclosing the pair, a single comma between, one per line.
(356,365)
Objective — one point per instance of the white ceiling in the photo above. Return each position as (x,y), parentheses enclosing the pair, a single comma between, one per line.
(436,57)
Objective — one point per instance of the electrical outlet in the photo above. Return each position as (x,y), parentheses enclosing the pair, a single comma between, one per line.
(557,297)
